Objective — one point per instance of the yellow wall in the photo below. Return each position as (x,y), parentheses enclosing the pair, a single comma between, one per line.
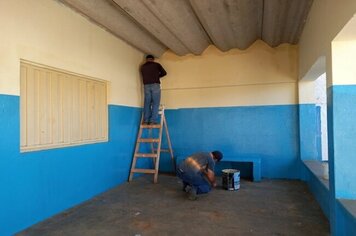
(260,75)
(50,33)
(326,19)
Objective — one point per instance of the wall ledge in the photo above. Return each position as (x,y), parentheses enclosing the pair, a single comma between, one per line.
(318,169)
(349,205)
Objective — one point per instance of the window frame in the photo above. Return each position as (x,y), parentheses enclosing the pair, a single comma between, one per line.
(68,113)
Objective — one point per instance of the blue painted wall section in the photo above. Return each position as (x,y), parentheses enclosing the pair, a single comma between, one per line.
(318,186)
(310,134)
(344,131)
(346,217)
(271,132)
(342,149)
(37,185)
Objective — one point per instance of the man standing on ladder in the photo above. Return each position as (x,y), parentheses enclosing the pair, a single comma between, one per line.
(151,73)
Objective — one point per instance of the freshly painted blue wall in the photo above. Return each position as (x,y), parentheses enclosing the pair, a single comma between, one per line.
(343,142)
(346,217)
(37,185)
(271,132)
(310,134)
(319,189)
(342,149)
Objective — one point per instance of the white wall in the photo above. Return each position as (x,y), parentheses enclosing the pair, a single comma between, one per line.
(344,59)
(49,33)
(259,75)
(307,92)
(321,96)
(344,51)
(325,20)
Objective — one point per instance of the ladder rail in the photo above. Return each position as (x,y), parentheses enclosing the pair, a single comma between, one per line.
(155,151)
(169,143)
(152,146)
(159,148)
(137,147)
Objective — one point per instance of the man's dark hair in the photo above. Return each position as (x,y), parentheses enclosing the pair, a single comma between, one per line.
(149,56)
(217,155)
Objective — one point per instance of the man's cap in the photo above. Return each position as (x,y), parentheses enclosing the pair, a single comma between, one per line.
(149,56)
(218,155)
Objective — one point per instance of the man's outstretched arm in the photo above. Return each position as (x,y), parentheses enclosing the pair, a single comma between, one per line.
(162,72)
(211,177)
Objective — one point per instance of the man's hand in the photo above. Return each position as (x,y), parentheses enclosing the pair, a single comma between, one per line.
(211,177)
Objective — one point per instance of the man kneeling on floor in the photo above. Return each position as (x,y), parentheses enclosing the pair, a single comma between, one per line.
(197,173)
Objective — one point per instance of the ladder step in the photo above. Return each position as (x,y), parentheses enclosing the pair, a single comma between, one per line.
(152,155)
(158,126)
(162,150)
(146,171)
(148,140)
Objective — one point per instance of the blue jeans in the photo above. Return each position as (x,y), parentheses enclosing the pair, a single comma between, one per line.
(151,102)
(196,180)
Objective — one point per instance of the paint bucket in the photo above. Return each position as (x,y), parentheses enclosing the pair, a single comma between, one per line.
(231,179)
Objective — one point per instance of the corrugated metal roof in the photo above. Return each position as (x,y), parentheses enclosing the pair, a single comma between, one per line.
(190,26)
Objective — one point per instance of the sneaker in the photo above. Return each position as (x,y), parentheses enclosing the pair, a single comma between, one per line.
(192,194)
(153,123)
(145,123)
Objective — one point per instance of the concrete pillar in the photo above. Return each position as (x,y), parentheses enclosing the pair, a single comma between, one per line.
(342,123)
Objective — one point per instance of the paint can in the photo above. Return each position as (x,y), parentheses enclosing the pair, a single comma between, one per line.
(231,179)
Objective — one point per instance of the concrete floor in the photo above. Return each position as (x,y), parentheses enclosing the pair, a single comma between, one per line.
(271,207)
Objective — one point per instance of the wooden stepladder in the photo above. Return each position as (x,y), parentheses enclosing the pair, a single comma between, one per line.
(155,146)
